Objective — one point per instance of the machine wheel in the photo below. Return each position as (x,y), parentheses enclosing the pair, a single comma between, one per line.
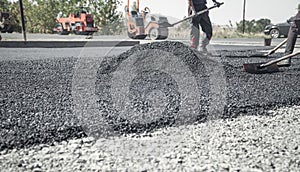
(163,37)
(274,33)
(134,36)
(140,36)
(65,32)
(131,35)
(77,32)
(163,33)
(10,29)
(85,33)
(158,34)
(4,29)
(154,34)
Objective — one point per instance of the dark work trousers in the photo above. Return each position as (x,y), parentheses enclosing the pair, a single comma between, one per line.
(292,38)
(202,20)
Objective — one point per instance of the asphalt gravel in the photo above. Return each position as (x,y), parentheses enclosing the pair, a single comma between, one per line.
(254,93)
(36,102)
(36,95)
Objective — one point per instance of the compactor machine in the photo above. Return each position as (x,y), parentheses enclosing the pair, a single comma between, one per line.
(141,24)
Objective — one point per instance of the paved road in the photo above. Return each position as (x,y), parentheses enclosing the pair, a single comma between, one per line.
(73,38)
(92,49)
(45,53)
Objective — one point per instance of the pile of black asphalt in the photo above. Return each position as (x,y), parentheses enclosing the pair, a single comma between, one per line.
(36,103)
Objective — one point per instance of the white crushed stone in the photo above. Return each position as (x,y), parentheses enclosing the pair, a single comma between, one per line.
(246,143)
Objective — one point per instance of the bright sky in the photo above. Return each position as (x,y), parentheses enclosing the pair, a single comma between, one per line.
(276,10)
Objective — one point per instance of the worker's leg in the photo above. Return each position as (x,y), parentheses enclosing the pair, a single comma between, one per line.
(195,33)
(290,45)
(292,38)
(206,27)
(195,28)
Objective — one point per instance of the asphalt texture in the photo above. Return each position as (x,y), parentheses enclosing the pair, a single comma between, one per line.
(37,102)
(260,91)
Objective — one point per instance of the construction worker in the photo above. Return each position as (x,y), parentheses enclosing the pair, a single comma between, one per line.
(291,40)
(203,20)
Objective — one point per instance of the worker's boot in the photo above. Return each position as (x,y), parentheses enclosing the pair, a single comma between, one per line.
(284,63)
(203,46)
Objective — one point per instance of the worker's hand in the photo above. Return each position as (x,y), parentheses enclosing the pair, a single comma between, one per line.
(218,4)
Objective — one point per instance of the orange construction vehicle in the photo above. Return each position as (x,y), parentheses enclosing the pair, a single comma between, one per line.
(79,23)
(143,24)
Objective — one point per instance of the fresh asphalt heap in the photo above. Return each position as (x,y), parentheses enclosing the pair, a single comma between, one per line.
(36,99)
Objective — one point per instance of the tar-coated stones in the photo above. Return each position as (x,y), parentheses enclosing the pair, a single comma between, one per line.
(157,68)
(36,100)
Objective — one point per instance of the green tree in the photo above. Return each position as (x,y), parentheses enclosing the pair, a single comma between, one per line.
(253,26)
(261,24)
(4,6)
(13,9)
(40,15)
(47,10)
(249,26)
(107,18)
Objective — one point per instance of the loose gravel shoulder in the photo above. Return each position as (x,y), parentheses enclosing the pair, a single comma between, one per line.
(248,143)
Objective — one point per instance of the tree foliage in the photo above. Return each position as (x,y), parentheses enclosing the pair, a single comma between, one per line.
(40,15)
(4,5)
(253,26)
(107,18)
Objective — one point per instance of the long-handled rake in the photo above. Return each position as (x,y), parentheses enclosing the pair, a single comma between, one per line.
(270,51)
(269,67)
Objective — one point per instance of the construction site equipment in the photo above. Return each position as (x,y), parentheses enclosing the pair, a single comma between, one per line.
(272,51)
(80,23)
(269,67)
(141,25)
(7,24)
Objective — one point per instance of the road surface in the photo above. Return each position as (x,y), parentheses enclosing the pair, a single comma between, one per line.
(216,116)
